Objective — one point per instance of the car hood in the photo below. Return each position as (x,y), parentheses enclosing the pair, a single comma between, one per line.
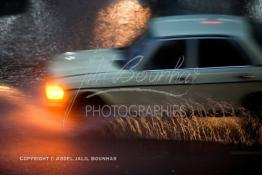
(85,62)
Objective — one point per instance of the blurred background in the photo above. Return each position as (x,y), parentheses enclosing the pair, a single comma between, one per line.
(32,31)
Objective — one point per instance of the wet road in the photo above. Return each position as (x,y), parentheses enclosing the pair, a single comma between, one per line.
(27,131)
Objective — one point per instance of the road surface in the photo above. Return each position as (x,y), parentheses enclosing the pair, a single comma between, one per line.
(31,137)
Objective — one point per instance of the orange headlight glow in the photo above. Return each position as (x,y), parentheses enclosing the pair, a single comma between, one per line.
(54,91)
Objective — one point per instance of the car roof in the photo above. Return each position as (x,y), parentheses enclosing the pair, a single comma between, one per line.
(198,25)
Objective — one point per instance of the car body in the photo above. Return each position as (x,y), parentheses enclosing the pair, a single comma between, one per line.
(179,59)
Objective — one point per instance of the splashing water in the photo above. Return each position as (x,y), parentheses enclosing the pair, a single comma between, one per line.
(209,129)
(230,126)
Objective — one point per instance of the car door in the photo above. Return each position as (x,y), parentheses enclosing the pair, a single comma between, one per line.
(227,74)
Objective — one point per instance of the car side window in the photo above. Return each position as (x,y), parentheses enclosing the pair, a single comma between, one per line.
(169,55)
(256,27)
(221,53)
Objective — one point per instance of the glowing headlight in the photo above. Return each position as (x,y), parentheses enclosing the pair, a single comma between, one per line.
(54,91)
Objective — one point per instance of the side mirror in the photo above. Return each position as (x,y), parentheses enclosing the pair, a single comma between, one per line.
(13,7)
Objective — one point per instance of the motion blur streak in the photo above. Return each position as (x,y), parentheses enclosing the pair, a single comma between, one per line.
(120,23)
